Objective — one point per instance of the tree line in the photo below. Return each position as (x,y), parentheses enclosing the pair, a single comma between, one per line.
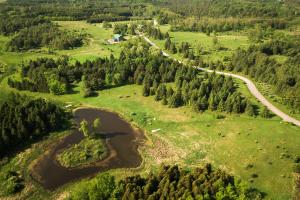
(210,25)
(153,31)
(141,64)
(170,182)
(10,25)
(23,120)
(92,11)
(45,35)
(233,8)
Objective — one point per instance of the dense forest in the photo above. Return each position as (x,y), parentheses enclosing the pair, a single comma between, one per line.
(234,8)
(23,120)
(92,11)
(11,24)
(210,25)
(138,64)
(171,182)
(45,35)
(233,15)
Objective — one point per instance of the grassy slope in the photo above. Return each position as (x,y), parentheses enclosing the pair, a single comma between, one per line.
(189,138)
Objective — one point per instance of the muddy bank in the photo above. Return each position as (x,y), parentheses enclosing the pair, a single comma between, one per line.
(122,143)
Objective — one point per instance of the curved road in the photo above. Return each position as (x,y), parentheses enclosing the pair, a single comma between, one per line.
(252,88)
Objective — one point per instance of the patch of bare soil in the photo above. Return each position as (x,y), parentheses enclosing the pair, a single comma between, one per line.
(162,152)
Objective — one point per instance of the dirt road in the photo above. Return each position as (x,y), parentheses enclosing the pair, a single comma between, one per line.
(252,88)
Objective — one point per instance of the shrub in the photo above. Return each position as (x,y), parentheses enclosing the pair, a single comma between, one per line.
(296,168)
(11,183)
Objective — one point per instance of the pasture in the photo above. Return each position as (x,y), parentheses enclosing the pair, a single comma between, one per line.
(229,41)
(244,146)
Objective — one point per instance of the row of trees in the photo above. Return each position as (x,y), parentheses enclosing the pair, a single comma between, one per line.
(108,18)
(234,8)
(209,25)
(211,92)
(22,120)
(153,31)
(92,11)
(140,64)
(171,182)
(184,48)
(124,29)
(42,75)
(46,34)
(11,25)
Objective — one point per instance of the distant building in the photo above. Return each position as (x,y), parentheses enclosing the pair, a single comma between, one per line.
(117,38)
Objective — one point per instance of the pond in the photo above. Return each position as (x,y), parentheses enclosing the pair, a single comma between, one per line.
(122,142)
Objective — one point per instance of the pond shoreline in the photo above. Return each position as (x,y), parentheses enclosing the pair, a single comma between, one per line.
(122,140)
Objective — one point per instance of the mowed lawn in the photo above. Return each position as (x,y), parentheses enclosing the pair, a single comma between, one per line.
(230,40)
(191,139)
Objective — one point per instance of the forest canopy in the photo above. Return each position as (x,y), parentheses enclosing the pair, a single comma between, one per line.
(23,120)
(171,182)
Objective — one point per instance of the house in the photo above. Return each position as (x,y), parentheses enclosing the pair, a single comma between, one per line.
(117,38)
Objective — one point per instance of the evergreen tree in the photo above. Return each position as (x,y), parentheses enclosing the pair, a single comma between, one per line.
(250,110)
(168,44)
(265,113)
(146,90)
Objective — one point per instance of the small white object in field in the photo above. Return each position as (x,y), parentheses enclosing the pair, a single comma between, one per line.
(155,130)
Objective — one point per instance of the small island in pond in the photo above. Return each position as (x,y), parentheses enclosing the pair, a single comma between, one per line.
(90,149)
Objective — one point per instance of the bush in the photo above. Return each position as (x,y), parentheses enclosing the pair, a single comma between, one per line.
(100,188)
(265,113)
(87,151)
(11,183)
(296,168)
(220,116)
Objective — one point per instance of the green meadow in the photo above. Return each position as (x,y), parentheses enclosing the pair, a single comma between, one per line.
(230,41)
(187,138)
(95,45)
(257,150)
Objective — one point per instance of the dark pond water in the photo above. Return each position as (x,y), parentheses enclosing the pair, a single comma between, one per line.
(122,143)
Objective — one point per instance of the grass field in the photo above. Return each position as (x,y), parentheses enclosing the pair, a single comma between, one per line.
(231,41)
(95,45)
(190,139)
(185,137)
